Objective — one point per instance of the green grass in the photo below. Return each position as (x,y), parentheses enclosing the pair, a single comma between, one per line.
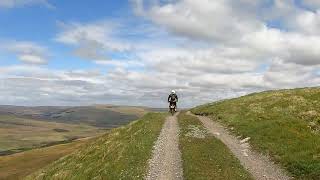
(284,124)
(93,116)
(105,116)
(18,134)
(129,110)
(204,156)
(120,154)
(19,165)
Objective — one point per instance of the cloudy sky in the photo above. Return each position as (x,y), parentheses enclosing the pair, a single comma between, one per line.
(57,52)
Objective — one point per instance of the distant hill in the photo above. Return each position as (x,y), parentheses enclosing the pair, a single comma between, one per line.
(19,134)
(105,116)
(23,128)
(283,124)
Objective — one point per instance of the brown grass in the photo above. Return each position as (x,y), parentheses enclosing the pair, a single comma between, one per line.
(23,133)
(19,165)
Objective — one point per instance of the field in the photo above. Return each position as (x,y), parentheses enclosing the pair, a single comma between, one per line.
(19,165)
(106,116)
(24,128)
(19,134)
(130,110)
(33,137)
(284,124)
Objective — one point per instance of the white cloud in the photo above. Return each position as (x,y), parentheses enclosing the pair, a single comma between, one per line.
(219,20)
(309,22)
(32,59)
(92,41)
(314,4)
(206,50)
(27,52)
(288,75)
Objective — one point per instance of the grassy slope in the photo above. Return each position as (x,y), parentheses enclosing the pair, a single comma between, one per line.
(206,157)
(120,154)
(19,165)
(284,124)
(106,116)
(130,110)
(91,115)
(19,133)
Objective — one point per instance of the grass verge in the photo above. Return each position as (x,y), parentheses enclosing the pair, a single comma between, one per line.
(283,124)
(120,154)
(204,156)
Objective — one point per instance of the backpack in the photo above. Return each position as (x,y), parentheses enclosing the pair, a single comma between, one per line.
(173,98)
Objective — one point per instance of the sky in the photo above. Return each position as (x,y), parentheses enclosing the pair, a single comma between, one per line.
(134,52)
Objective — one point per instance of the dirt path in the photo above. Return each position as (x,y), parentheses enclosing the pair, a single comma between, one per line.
(258,165)
(166,160)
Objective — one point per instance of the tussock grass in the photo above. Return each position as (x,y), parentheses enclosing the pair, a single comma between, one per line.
(204,156)
(120,154)
(283,124)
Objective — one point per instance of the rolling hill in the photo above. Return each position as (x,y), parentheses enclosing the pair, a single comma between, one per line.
(122,153)
(105,116)
(23,128)
(284,124)
(19,165)
(20,134)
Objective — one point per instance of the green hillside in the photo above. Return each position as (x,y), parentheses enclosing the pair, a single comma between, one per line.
(284,124)
(23,128)
(20,134)
(122,153)
(90,115)
(105,116)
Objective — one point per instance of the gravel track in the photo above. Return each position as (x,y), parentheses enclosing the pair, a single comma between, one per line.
(260,166)
(166,163)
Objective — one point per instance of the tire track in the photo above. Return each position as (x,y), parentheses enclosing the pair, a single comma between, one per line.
(166,163)
(260,166)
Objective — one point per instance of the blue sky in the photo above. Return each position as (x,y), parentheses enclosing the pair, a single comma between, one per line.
(40,24)
(55,52)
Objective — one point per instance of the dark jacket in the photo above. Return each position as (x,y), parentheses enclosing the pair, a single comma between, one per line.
(173,98)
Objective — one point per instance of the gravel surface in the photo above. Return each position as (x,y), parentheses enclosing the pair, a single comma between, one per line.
(196,132)
(166,163)
(260,166)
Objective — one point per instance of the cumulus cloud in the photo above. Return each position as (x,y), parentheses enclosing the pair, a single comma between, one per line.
(308,22)
(219,20)
(27,52)
(206,50)
(314,4)
(93,41)
(288,75)
(229,24)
